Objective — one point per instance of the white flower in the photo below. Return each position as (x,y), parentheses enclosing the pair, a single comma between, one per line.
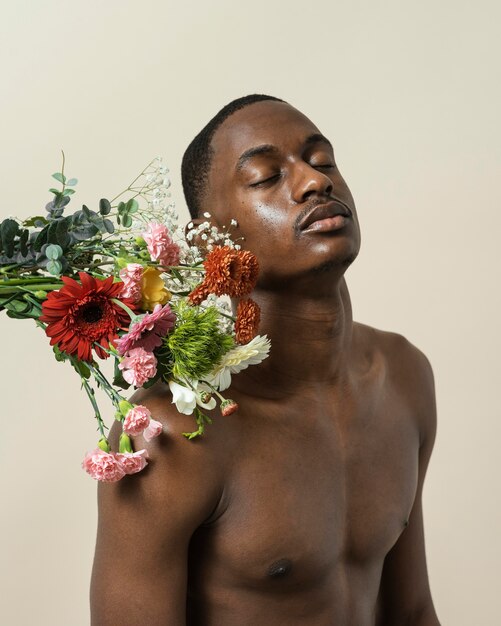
(206,214)
(186,399)
(238,359)
(234,222)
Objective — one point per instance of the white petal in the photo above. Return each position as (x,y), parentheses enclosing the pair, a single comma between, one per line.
(183,397)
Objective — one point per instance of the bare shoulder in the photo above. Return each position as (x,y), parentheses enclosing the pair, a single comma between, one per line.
(410,372)
(176,466)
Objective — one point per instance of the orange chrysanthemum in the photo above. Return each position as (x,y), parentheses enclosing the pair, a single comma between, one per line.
(77,315)
(227,272)
(248,317)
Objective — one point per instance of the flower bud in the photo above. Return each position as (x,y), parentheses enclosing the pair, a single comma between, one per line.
(124,444)
(104,444)
(140,242)
(40,294)
(228,407)
(118,416)
(205,396)
(125,407)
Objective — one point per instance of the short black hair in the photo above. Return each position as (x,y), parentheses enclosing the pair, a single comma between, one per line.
(196,161)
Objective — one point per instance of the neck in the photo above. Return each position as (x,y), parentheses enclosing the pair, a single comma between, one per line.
(311,339)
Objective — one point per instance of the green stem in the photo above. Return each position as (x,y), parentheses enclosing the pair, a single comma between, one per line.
(108,389)
(90,393)
(131,313)
(33,288)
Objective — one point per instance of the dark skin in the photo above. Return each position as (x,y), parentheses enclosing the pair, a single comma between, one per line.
(304,506)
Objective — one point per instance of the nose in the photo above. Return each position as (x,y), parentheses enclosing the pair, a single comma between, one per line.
(310,181)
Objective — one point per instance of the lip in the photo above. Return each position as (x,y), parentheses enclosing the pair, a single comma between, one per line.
(325,212)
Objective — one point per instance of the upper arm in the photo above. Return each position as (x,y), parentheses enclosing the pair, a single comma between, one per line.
(145,524)
(405,595)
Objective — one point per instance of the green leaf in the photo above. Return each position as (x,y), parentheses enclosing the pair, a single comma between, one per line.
(23,240)
(55,191)
(41,238)
(32,221)
(53,252)
(87,211)
(63,239)
(120,208)
(110,227)
(8,230)
(72,182)
(104,206)
(84,232)
(127,220)
(132,206)
(59,177)
(68,192)
(81,368)
(60,356)
(118,379)
(54,267)
(52,232)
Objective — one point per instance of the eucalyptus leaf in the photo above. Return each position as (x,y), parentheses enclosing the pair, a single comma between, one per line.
(59,177)
(127,220)
(61,201)
(132,206)
(68,192)
(86,211)
(53,252)
(110,227)
(62,236)
(104,206)
(8,230)
(23,240)
(54,267)
(52,232)
(72,182)
(41,238)
(84,232)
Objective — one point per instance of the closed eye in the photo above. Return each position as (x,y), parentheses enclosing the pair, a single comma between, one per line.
(266,180)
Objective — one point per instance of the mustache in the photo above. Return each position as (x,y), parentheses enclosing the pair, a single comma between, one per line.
(313,205)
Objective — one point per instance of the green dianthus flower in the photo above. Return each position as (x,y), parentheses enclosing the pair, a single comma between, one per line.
(196,344)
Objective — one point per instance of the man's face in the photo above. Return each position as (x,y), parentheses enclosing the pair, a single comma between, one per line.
(271,167)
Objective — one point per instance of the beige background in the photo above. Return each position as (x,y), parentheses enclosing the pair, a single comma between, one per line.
(409,94)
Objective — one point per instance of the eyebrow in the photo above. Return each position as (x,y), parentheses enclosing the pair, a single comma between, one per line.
(273,150)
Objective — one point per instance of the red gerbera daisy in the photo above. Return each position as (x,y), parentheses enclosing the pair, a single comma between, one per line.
(77,315)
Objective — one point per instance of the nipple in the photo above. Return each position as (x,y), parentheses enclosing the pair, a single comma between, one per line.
(279,568)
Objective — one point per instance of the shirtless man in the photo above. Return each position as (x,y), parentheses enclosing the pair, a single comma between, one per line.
(304,506)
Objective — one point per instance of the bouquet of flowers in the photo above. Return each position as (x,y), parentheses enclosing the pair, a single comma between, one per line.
(125,282)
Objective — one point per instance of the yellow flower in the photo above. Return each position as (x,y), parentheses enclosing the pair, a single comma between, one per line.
(153,289)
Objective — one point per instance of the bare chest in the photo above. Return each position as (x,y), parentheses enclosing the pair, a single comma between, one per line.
(319,486)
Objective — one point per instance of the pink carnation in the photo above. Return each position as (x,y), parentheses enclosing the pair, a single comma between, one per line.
(132,462)
(138,366)
(153,429)
(136,420)
(148,331)
(131,276)
(103,466)
(160,245)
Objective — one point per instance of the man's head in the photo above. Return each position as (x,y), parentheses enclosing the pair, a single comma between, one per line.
(264,163)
